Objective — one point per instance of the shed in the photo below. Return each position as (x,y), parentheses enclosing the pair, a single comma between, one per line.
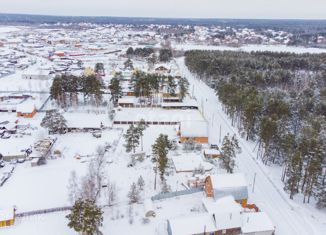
(221,185)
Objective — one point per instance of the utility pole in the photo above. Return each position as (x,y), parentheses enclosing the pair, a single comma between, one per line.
(253,184)
(220,133)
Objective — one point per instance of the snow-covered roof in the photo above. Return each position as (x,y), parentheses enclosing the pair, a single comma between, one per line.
(227,212)
(229,180)
(25,107)
(188,163)
(256,222)
(6,214)
(230,184)
(188,103)
(212,152)
(127,100)
(196,224)
(194,129)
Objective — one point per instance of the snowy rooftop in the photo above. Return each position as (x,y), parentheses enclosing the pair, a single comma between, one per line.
(192,225)
(191,128)
(228,180)
(227,212)
(26,107)
(188,163)
(156,114)
(6,214)
(256,222)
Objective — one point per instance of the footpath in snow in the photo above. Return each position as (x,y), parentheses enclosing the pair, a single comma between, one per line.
(289,217)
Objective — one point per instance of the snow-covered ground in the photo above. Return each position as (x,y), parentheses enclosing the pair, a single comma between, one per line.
(288,216)
(249,48)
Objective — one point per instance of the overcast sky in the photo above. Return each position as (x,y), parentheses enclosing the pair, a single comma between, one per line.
(274,9)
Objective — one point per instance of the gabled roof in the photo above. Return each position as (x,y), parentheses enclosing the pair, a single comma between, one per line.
(194,129)
(256,222)
(230,184)
(197,224)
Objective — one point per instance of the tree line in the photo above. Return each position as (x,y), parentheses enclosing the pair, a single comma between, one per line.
(65,90)
(277,100)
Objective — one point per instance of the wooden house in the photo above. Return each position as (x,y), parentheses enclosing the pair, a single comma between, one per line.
(26,110)
(196,131)
(221,185)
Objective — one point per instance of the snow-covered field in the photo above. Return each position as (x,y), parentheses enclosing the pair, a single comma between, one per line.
(249,48)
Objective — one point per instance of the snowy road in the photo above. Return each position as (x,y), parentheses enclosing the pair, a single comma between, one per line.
(289,217)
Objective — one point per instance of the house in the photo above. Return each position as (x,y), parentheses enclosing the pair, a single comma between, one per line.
(196,131)
(186,104)
(59,53)
(7,217)
(127,102)
(26,110)
(212,153)
(221,185)
(162,70)
(222,217)
(227,214)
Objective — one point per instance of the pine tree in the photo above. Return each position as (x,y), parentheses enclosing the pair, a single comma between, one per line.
(54,121)
(116,89)
(128,64)
(230,147)
(171,86)
(85,217)
(134,194)
(165,55)
(130,51)
(294,174)
(141,183)
(160,150)
(141,127)
(132,139)
(183,87)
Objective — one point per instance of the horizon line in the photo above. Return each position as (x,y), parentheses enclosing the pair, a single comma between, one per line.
(166,18)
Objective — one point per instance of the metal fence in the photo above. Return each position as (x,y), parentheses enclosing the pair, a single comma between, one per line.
(176,193)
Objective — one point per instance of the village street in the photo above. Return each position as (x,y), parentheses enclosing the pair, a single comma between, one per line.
(288,216)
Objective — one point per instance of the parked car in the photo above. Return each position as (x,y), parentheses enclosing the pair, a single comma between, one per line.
(21,160)
(5,136)
(2,164)
(97,135)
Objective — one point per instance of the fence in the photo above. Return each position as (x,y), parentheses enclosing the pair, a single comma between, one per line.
(176,193)
(45,211)
(146,122)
